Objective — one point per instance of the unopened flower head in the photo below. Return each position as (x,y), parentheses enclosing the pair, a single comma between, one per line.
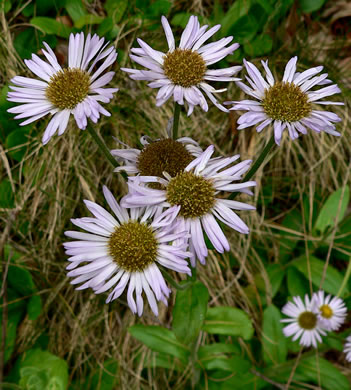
(303,321)
(332,311)
(347,348)
(156,157)
(125,249)
(195,192)
(183,72)
(75,90)
(287,104)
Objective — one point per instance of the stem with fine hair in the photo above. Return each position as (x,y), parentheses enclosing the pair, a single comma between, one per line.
(175,120)
(101,144)
(173,283)
(256,164)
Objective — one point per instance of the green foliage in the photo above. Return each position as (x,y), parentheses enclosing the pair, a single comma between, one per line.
(7,199)
(105,378)
(274,343)
(50,26)
(17,141)
(228,321)
(189,312)
(308,6)
(160,339)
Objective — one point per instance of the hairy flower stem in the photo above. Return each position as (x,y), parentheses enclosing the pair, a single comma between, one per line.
(256,165)
(173,283)
(100,143)
(176,120)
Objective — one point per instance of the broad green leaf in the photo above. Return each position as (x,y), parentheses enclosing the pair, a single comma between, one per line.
(260,45)
(327,215)
(220,380)
(17,142)
(158,8)
(308,6)
(181,19)
(229,321)
(333,278)
(239,9)
(10,340)
(34,307)
(88,19)
(20,279)
(189,312)
(288,240)
(5,5)
(115,9)
(51,26)
(106,377)
(30,41)
(164,360)
(217,349)
(273,340)
(160,340)
(297,283)
(7,199)
(244,29)
(41,370)
(75,9)
(320,372)
(275,275)
(105,26)
(234,364)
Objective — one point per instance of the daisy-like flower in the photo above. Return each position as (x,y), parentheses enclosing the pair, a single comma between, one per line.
(347,348)
(303,321)
(332,311)
(125,249)
(75,90)
(289,103)
(183,72)
(156,157)
(195,192)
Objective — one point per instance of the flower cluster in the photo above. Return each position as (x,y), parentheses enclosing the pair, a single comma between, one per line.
(313,318)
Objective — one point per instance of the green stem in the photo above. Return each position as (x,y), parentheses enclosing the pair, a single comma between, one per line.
(101,144)
(176,120)
(173,283)
(256,165)
(346,279)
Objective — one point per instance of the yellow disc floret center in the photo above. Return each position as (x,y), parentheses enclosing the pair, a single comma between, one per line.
(326,311)
(184,67)
(133,246)
(68,87)
(195,194)
(307,320)
(286,102)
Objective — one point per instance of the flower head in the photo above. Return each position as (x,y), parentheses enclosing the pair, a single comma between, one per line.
(183,72)
(75,90)
(156,157)
(289,103)
(332,311)
(347,348)
(303,321)
(194,191)
(125,249)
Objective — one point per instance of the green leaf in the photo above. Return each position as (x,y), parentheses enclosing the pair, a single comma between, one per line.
(297,283)
(217,349)
(189,312)
(88,19)
(260,45)
(158,8)
(273,340)
(160,340)
(312,369)
(234,364)
(106,377)
(163,360)
(308,6)
(181,19)
(30,41)
(105,26)
(239,9)
(5,5)
(41,370)
(7,199)
(333,278)
(115,9)
(10,340)
(34,307)
(220,380)
(51,26)
(20,279)
(16,141)
(244,29)
(327,215)
(229,321)
(75,9)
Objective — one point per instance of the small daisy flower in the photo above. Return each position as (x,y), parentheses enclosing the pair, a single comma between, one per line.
(303,321)
(61,92)
(332,311)
(156,157)
(126,249)
(183,72)
(347,348)
(289,103)
(195,192)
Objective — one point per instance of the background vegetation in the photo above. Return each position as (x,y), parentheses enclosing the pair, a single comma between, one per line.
(56,338)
